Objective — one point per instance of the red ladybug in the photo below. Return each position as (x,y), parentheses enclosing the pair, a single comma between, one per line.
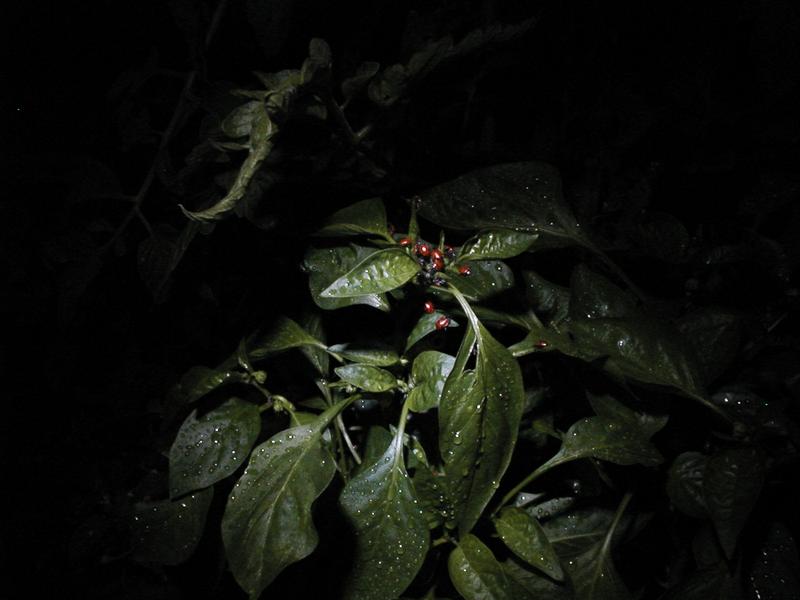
(428,307)
(406,242)
(437,254)
(423,249)
(464,270)
(442,323)
(541,344)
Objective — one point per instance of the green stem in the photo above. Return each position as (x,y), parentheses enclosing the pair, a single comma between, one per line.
(617,516)
(541,470)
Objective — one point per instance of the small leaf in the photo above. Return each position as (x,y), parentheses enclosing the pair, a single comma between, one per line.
(731,486)
(379,272)
(488,278)
(365,217)
(367,377)
(327,265)
(239,123)
(353,85)
(283,335)
(168,532)
(199,381)
(267,523)
(429,372)
(312,323)
(426,325)
(607,406)
(367,356)
(685,484)
(212,447)
(391,534)
(475,572)
(525,537)
(496,243)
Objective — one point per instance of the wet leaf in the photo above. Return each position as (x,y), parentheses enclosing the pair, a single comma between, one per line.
(685,484)
(284,334)
(731,486)
(367,356)
(607,406)
(391,534)
(429,373)
(312,323)
(431,492)
(594,576)
(536,585)
(167,532)
(426,325)
(378,272)
(475,572)
(549,301)
(212,447)
(496,243)
(199,381)
(367,377)
(267,523)
(593,296)
(775,575)
(326,265)
(525,537)
(365,217)
(479,416)
(488,278)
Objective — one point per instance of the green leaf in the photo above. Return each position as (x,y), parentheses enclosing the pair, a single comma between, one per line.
(353,85)
(594,576)
(377,440)
(199,381)
(607,406)
(432,495)
(715,335)
(212,447)
(312,323)
(496,243)
(548,300)
(367,356)
(367,377)
(479,416)
(391,534)
(593,296)
(239,123)
(267,523)
(713,583)
(261,136)
(326,265)
(731,486)
(316,68)
(524,196)
(284,334)
(525,537)
(379,272)
(475,572)
(168,532)
(426,325)
(429,373)
(685,484)
(488,278)
(365,217)
(535,585)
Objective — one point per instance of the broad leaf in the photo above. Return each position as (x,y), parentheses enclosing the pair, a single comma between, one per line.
(535,585)
(239,123)
(325,266)
(283,335)
(715,335)
(732,484)
(360,79)
(267,523)
(594,576)
(426,325)
(685,484)
(365,217)
(525,537)
(777,572)
(607,406)
(549,301)
(167,532)
(367,356)
(212,447)
(496,243)
(199,381)
(391,533)
(429,373)
(488,278)
(379,272)
(479,416)
(475,572)
(593,296)
(312,323)
(367,377)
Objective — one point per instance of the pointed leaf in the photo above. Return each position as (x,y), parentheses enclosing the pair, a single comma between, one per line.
(594,576)
(536,585)
(426,325)
(593,296)
(367,356)
(488,278)
(685,484)
(326,265)
(199,381)
(391,534)
(715,336)
(475,572)
(496,243)
(365,217)
(367,377)
(548,300)
(283,335)
(379,272)
(360,79)
(607,406)
(312,323)
(429,372)
(525,537)
(212,447)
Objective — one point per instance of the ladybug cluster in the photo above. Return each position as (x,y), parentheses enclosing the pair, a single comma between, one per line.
(432,261)
(442,322)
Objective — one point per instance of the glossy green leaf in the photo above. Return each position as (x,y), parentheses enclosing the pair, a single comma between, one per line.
(284,334)
(496,243)
(426,325)
(549,301)
(378,272)
(525,537)
(239,123)
(168,532)
(593,296)
(261,140)
(432,495)
(267,523)
(475,572)
(325,266)
(365,217)
(732,484)
(488,278)
(367,356)
(524,196)
(391,533)
(317,356)
(377,440)
(199,381)
(607,406)
(536,586)
(429,373)
(479,416)
(212,447)
(576,532)
(594,576)
(367,377)
(685,484)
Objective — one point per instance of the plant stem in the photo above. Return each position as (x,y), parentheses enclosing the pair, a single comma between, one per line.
(541,470)
(347,440)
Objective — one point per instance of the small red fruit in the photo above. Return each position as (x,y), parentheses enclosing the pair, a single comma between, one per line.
(423,249)
(464,270)
(428,307)
(405,242)
(541,344)
(442,323)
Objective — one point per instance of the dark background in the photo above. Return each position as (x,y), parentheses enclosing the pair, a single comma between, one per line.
(688,108)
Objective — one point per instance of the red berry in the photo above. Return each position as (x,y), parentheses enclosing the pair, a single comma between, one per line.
(423,249)
(541,344)
(428,307)
(442,323)
(405,242)
(464,270)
